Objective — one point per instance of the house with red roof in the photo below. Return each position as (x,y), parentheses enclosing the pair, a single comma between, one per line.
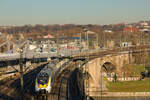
(131,29)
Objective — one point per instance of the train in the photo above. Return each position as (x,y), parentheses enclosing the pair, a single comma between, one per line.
(46,77)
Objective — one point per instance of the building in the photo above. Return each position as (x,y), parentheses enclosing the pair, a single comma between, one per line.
(145,27)
(110,44)
(48,36)
(145,30)
(126,44)
(131,29)
(144,24)
(108,31)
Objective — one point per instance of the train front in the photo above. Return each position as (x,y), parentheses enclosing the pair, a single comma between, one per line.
(42,84)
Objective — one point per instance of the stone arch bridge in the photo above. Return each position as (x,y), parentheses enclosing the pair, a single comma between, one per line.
(95,84)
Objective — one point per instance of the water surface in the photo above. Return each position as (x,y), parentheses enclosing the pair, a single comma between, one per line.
(122,98)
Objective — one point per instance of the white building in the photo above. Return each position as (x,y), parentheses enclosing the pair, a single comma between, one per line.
(144,24)
(31,47)
(145,30)
(108,31)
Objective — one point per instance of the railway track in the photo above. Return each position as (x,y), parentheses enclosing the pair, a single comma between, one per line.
(12,89)
(60,87)
(28,92)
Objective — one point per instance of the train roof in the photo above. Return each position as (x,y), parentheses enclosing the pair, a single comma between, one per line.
(46,71)
(49,68)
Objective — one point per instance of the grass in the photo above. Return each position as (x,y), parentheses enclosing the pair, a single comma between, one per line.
(129,86)
(138,69)
(133,70)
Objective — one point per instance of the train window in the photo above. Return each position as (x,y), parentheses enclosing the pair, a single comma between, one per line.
(43,78)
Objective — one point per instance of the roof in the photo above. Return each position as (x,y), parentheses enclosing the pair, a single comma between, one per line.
(49,68)
(48,36)
(131,29)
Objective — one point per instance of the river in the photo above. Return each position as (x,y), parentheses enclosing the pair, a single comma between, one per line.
(123,98)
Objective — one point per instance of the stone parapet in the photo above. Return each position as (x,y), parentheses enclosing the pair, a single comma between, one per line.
(119,94)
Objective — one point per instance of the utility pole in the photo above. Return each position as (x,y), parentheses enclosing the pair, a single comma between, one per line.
(104,43)
(121,41)
(97,39)
(80,42)
(21,69)
(48,49)
(57,46)
(80,38)
(87,37)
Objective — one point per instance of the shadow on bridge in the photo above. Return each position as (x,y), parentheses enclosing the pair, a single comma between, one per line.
(73,89)
(75,86)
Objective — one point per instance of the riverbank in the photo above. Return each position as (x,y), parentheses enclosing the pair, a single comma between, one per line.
(121,98)
(129,86)
(125,94)
(125,89)
(120,94)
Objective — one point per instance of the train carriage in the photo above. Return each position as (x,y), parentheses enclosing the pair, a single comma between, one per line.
(46,77)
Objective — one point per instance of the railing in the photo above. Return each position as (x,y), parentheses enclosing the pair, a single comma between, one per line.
(66,53)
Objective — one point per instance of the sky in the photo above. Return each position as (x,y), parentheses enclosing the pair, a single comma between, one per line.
(21,12)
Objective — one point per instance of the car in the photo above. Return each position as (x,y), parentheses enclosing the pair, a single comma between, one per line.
(53,50)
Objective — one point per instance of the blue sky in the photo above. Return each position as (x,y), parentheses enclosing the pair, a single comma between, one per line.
(20,12)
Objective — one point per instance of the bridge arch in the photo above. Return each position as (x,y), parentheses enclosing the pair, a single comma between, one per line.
(96,68)
(108,67)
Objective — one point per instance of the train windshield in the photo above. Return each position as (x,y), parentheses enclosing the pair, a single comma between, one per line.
(43,78)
